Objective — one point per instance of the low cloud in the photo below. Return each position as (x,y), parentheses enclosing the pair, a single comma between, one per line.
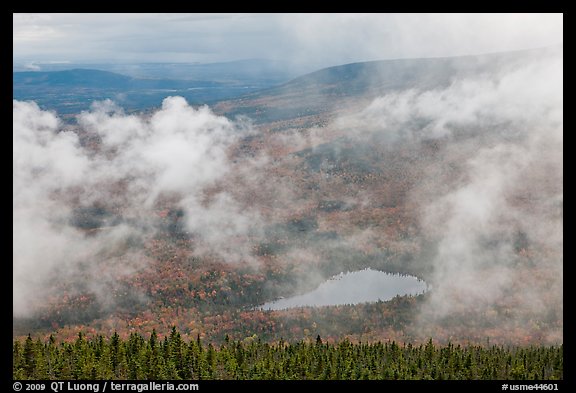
(491,202)
(78,205)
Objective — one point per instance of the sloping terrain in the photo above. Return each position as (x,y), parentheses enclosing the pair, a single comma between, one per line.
(354,85)
(392,165)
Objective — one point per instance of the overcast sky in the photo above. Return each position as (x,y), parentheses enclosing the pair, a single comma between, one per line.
(314,40)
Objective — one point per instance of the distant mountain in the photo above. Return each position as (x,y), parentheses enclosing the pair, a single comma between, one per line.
(331,88)
(85,78)
(261,72)
(260,89)
(424,73)
(71,91)
(71,78)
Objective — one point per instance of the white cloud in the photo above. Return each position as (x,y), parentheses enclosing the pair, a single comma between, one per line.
(178,152)
(504,133)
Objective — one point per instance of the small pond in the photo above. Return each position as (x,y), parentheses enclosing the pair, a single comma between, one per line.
(352,288)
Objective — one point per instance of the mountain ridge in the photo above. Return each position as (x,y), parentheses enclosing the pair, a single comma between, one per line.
(80,77)
(331,88)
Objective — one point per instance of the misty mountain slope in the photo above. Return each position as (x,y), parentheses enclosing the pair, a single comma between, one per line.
(184,217)
(428,159)
(335,88)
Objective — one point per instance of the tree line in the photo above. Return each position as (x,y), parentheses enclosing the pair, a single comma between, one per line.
(173,357)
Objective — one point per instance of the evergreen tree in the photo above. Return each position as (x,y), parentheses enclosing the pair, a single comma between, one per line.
(136,358)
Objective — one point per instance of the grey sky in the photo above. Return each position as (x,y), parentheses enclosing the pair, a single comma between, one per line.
(313,40)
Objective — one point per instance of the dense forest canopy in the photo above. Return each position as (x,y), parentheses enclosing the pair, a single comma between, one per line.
(175,358)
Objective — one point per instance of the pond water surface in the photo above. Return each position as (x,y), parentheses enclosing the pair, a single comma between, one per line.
(352,288)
